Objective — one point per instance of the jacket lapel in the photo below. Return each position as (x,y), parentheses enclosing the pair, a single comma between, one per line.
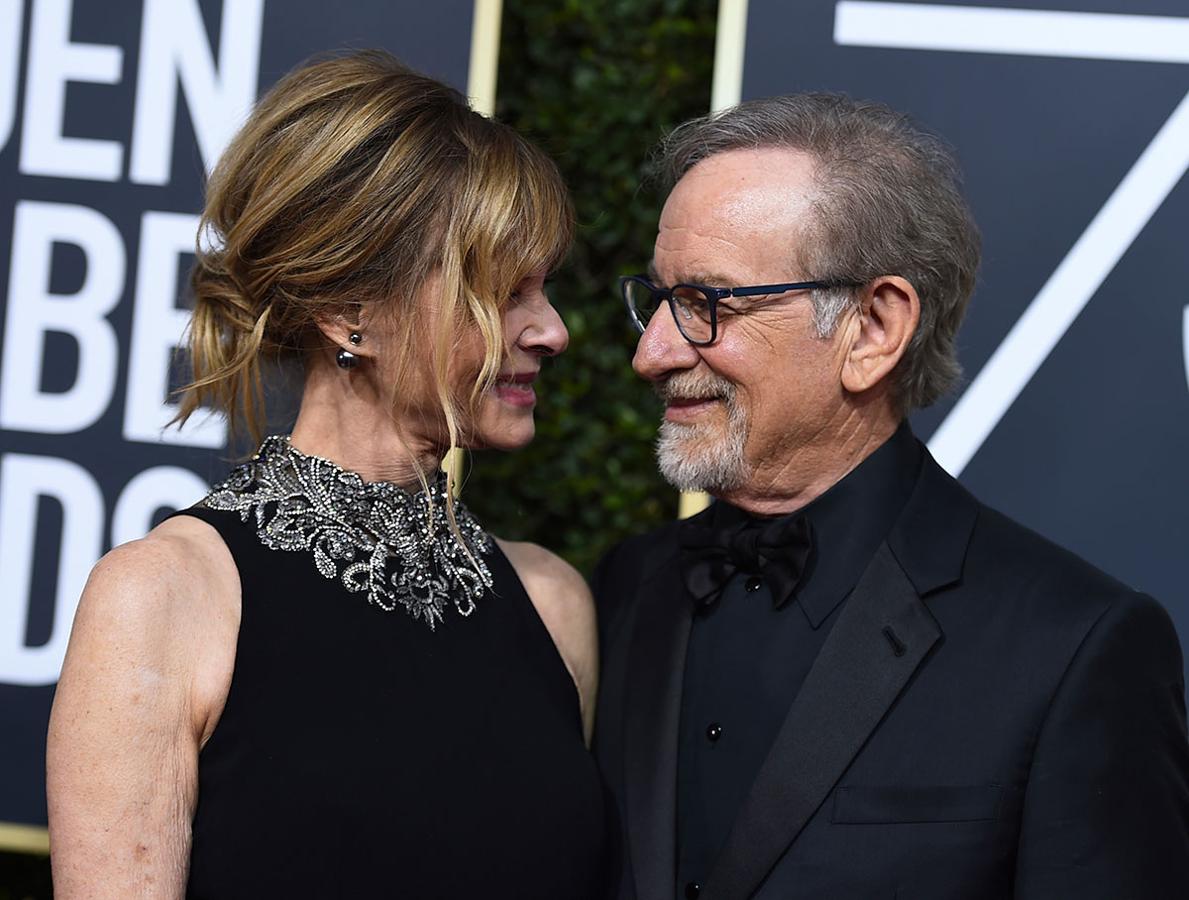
(882,634)
(656,669)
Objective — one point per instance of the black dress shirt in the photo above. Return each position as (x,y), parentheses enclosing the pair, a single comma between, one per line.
(747,657)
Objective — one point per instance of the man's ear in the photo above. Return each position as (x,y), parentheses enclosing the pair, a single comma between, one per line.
(888,315)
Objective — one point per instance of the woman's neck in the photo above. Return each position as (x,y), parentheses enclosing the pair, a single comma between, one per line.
(355,429)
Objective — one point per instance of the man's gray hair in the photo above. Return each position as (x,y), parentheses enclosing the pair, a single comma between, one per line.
(889,203)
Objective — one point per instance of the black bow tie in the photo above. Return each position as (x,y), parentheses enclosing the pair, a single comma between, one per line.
(777,549)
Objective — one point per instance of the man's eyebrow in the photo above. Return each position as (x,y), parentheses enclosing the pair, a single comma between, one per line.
(710,279)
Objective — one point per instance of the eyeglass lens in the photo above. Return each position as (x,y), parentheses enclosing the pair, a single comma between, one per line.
(690,306)
(641,302)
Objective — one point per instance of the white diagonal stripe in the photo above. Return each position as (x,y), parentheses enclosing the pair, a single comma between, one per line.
(1031,32)
(1065,294)
(1185,333)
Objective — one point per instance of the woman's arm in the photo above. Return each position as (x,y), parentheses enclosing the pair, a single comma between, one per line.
(145,677)
(564,603)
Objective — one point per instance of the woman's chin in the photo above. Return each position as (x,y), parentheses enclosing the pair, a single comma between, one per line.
(506,438)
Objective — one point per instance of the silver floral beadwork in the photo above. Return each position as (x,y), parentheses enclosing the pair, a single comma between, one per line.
(375,537)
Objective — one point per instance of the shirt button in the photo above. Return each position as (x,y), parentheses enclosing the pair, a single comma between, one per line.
(754,583)
(714,732)
(692,889)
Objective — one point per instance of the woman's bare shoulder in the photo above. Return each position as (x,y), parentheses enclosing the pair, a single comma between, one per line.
(548,569)
(146,675)
(563,601)
(168,603)
(174,554)
(181,570)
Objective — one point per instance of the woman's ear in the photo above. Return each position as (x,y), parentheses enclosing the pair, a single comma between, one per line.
(346,332)
(888,315)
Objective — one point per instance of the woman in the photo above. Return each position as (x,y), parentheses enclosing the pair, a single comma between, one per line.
(326,679)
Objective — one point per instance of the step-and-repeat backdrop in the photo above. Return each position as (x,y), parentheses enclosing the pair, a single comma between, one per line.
(109,115)
(1072,127)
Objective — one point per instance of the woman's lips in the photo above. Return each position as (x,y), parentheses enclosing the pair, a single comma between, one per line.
(517,390)
(687,409)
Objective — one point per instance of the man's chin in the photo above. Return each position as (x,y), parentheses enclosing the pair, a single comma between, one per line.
(690,464)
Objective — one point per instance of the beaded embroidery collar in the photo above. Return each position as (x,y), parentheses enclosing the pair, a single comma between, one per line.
(375,537)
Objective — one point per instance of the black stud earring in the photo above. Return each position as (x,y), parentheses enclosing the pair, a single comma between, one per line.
(345,358)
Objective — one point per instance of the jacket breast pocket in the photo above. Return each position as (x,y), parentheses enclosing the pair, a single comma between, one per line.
(920,804)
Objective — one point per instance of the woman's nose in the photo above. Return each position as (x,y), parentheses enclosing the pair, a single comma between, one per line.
(546,334)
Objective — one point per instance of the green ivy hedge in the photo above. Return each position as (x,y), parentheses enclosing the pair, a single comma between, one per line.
(595,85)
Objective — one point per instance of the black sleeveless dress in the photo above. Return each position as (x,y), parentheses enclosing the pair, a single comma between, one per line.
(381,738)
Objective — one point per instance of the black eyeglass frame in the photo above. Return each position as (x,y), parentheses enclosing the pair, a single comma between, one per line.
(713,295)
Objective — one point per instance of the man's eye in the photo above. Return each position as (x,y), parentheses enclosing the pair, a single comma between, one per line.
(692,303)
(695,309)
(725,310)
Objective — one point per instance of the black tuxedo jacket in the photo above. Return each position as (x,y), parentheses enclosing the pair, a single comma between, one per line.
(1018,732)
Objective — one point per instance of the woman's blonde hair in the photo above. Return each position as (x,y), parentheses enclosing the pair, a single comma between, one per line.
(353,181)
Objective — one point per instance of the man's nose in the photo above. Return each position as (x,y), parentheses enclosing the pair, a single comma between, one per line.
(662,350)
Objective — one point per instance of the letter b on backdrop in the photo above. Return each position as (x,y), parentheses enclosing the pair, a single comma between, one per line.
(110,113)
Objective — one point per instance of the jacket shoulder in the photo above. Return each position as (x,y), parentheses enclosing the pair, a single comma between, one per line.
(623,566)
(637,549)
(977,565)
(1026,560)
(617,577)
(1051,598)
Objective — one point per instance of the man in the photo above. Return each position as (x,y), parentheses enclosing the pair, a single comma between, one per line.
(848,678)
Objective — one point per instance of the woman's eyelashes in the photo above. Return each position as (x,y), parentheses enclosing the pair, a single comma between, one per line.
(530,291)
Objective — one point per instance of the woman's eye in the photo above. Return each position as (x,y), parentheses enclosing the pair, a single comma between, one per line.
(531,289)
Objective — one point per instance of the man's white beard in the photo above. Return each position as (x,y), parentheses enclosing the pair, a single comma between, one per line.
(701,457)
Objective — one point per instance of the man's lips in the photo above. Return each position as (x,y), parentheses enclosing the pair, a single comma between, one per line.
(685,409)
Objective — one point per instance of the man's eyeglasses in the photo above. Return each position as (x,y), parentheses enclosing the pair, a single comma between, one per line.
(695,307)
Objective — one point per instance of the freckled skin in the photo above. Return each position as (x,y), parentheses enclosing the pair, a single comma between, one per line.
(816,406)
(152,650)
(145,678)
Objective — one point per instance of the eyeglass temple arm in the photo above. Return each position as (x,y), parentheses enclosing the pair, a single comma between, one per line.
(759,289)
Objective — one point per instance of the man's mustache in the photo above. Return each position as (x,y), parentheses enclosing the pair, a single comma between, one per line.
(695,386)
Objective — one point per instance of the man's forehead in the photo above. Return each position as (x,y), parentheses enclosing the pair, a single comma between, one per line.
(742,205)
(733,215)
(742,192)
(746,177)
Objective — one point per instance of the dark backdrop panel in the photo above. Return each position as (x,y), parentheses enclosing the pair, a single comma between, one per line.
(1091,452)
(69,491)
